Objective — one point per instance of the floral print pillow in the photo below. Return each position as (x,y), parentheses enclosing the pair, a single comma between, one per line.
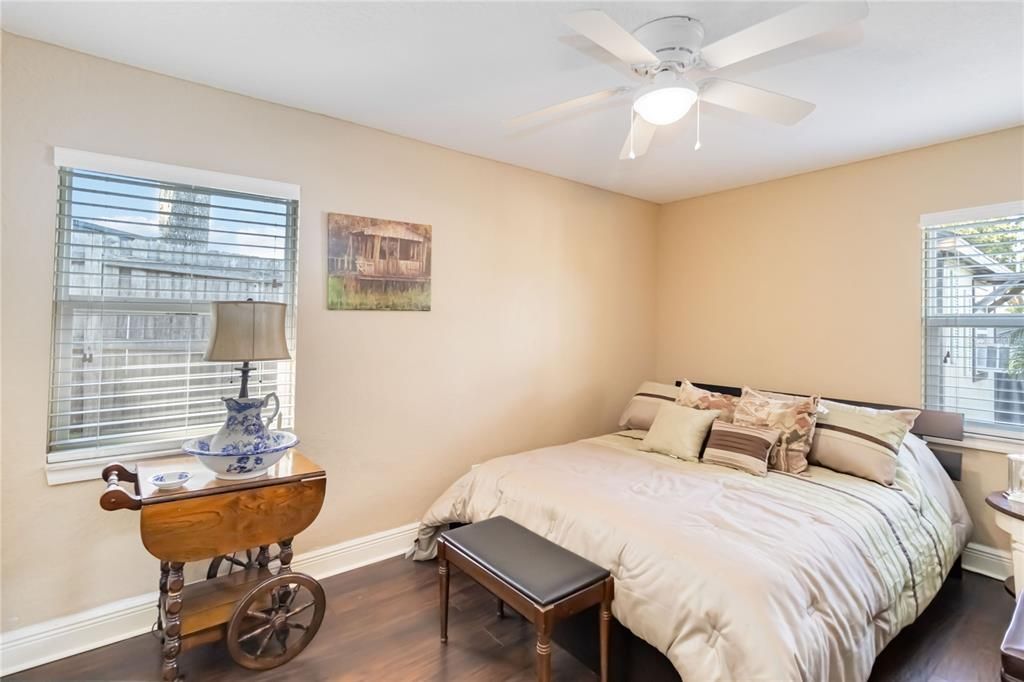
(698,398)
(794,416)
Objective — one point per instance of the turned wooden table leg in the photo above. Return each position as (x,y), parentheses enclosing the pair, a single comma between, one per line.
(172,620)
(263,556)
(442,576)
(544,650)
(286,554)
(165,568)
(606,622)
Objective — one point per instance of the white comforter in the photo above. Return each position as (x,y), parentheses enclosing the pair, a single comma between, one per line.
(732,576)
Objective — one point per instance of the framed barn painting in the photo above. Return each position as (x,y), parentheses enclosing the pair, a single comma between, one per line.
(377,264)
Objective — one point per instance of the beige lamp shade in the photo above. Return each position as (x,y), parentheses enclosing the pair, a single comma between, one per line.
(247,330)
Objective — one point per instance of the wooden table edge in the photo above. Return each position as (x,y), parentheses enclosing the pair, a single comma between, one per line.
(997,500)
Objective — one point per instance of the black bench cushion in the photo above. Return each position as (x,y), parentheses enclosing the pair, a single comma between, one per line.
(535,567)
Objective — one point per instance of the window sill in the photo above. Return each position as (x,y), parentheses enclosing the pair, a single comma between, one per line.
(985,442)
(87,464)
(59,473)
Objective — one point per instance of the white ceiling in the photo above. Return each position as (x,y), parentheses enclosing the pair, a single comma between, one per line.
(450,73)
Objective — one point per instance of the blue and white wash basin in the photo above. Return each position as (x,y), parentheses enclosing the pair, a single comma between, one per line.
(241,460)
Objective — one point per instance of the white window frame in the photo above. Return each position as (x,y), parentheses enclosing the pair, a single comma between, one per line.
(977,435)
(81,469)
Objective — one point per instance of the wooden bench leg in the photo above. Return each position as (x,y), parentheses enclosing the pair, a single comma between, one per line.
(606,622)
(544,647)
(543,657)
(442,574)
(501,609)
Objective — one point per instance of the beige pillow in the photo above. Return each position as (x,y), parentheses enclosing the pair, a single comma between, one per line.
(643,407)
(679,431)
(747,448)
(861,441)
(701,399)
(793,416)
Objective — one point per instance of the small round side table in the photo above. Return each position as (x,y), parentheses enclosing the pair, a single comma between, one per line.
(1010,517)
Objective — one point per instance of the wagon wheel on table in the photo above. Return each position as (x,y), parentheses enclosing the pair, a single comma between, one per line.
(275,621)
(228,563)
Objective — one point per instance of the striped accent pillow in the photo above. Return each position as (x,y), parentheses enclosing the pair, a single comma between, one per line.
(793,415)
(861,441)
(747,448)
(643,407)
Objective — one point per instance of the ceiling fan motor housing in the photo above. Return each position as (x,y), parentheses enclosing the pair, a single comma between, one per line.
(676,40)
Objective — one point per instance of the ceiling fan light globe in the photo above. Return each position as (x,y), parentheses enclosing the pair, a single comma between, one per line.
(661,106)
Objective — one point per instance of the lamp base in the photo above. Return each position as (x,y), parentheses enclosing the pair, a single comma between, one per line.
(243,391)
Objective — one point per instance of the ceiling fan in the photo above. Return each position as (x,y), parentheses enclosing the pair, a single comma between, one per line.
(676,68)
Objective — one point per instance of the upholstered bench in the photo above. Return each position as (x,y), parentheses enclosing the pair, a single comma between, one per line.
(536,577)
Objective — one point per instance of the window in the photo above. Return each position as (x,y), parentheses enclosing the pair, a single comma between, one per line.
(974,316)
(137,261)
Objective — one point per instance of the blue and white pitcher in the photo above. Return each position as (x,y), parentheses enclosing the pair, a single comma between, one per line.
(244,431)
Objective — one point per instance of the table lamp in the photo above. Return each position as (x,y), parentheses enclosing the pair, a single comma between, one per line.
(247,331)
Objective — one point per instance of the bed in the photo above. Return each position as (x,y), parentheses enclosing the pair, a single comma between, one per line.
(724,574)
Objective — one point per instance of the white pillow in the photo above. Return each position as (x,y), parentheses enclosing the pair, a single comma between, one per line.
(643,407)
(861,441)
(679,431)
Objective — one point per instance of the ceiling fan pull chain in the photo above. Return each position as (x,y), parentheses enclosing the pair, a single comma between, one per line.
(696,147)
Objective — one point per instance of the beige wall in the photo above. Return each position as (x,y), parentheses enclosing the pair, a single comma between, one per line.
(813,282)
(542,320)
(544,296)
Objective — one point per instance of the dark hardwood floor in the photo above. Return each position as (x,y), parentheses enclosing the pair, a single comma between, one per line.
(381,625)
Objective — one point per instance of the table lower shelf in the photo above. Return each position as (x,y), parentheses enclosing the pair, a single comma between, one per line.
(210,603)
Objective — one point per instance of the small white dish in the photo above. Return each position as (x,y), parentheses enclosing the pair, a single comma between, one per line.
(169,480)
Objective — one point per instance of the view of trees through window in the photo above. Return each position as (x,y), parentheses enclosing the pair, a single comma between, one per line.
(974,320)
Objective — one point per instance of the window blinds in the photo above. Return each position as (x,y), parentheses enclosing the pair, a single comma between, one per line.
(974,316)
(137,263)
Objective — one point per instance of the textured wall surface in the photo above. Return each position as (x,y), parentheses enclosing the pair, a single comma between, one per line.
(542,322)
(813,283)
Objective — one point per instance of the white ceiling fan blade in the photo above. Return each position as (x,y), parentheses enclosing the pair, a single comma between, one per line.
(567,105)
(755,101)
(600,28)
(643,133)
(798,23)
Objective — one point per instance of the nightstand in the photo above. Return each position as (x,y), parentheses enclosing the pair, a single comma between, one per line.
(1010,517)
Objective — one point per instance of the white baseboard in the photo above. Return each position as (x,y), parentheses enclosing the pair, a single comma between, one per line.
(43,642)
(345,556)
(50,640)
(988,561)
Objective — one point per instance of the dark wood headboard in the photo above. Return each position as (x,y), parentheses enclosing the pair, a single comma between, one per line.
(931,423)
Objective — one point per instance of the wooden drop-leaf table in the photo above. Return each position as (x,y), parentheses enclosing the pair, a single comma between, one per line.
(266,616)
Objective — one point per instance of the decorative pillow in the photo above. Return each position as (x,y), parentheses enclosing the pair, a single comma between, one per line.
(861,441)
(747,448)
(679,431)
(794,416)
(643,407)
(790,396)
(691,396)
